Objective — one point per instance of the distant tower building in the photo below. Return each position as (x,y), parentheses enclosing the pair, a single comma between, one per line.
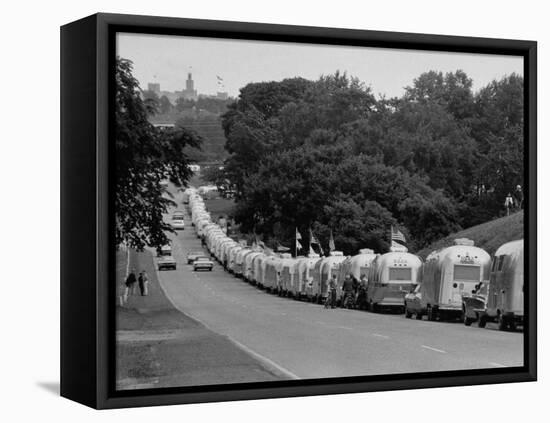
(189,93)
(153,86)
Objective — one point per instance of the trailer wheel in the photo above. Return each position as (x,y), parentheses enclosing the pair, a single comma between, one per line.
(482,321)
(431,314)
(502,323)
(418,316)
(408,314)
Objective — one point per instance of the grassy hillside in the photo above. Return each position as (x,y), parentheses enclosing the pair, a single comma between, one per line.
(489,235)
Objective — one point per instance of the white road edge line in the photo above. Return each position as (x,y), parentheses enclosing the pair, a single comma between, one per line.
(269,364)
(380,336)
(495,364)
(434,349)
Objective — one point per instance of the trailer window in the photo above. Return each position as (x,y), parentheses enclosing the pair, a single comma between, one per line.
(466,273)
(501,262)
(400,273)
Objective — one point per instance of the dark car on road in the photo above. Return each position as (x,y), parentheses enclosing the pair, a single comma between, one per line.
(203,263)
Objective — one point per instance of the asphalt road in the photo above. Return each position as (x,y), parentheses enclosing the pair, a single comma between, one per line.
(304,340)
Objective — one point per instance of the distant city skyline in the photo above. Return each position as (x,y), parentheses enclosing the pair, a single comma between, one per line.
(167,60)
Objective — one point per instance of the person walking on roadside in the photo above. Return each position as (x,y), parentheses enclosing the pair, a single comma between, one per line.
(143,283)
(130,283)
(362,292)
(331,295)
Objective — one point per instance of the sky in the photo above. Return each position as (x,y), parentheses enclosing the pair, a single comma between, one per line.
(167,60)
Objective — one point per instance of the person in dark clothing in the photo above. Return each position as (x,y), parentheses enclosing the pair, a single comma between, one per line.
(348,287)
(362,292)
(518,197)
(130,284)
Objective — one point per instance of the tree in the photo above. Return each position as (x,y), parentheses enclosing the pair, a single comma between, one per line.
(144,156)
(165,106)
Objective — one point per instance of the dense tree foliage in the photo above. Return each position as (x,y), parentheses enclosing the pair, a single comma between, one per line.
(144,157)
(328,155)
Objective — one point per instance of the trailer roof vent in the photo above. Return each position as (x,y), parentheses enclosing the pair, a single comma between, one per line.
(286,255)
(336,253)
(464,241)
(366,251)
(398,248)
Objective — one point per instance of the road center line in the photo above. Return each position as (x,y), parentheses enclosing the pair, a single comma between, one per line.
(344,327)
(434,349)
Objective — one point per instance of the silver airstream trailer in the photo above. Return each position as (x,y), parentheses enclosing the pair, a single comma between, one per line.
(259,263)
(304,275)
(391,275)
(505,293)
(449,274)
(238,266)
(271,273)
(249,265)
(232,257)
(287,282)
(357,265)
(322,273)
(225,251)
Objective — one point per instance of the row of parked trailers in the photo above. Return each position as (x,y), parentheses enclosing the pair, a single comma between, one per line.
(439,285)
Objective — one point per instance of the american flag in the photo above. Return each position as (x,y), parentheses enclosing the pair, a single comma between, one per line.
(314,240)
(397,235)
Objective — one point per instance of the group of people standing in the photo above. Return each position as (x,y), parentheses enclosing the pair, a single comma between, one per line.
(354,291)
(142,281)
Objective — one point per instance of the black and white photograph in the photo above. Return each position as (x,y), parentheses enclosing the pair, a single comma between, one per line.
(296,211)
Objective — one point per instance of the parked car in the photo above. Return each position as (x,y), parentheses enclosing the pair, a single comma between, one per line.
(166,263)
(474,305)
(193,255)
(413,304)
(178,221)
(203,263)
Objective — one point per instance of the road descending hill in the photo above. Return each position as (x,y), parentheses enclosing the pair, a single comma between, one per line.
(488,235)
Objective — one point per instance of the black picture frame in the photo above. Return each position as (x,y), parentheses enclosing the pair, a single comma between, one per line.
(87,313)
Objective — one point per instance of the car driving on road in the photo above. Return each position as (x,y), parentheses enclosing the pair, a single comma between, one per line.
(193,255)
(203,263)
(166,263)
(178,220)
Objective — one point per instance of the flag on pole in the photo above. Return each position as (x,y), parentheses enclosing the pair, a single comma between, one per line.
(298,235)
(331,246)
(314,240)
(397,235)
(311,251)
(298,245)
(282,247)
